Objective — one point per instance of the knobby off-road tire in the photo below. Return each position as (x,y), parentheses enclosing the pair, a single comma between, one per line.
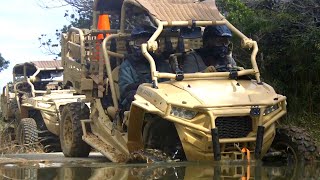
(71,133)
(27,133)
(297,144)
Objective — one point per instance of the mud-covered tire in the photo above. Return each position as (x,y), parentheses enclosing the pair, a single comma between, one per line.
(71,133)
(296,143)
(159,134)
(27,133)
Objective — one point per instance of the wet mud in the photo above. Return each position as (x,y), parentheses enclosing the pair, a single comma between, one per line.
(99,168)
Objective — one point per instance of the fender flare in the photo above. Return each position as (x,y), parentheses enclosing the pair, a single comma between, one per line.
(137,111)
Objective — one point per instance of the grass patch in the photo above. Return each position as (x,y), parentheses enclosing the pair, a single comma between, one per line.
(310,122)
(9,145)
(13,148)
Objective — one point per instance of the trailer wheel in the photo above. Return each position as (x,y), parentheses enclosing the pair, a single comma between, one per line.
(296,144)
(71,133)
(27,133)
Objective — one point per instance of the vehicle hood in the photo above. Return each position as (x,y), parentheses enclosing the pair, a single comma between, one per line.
(227,92)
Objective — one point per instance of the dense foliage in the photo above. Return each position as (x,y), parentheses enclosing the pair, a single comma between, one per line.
(287,32)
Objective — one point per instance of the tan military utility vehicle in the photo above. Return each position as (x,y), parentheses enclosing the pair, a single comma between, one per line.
(8,104)
(8,110)
(226,114)
(32,103)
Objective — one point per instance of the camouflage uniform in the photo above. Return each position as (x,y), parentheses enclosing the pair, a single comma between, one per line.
(133,72)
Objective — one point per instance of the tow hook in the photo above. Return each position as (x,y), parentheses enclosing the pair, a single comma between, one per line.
(246,151)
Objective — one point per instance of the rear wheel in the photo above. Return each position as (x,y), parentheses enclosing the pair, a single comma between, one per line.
(27,133)
(295,144)
(71,133)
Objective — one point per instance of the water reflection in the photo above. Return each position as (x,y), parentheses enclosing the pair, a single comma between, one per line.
(186,171)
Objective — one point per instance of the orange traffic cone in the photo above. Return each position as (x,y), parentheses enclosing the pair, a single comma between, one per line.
(103,24)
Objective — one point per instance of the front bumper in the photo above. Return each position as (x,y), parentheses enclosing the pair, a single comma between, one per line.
(200,135)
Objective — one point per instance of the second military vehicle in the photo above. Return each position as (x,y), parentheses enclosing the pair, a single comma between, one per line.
(32,104)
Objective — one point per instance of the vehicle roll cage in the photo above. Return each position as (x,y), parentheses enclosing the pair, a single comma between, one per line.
(29,78)
(152,45)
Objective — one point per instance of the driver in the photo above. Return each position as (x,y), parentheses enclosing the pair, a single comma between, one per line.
(216,51)
(135,70)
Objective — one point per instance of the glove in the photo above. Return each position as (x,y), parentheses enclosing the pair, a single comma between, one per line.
(209,69)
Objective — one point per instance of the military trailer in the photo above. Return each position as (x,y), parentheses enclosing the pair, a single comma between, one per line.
(33,103)
(227,114)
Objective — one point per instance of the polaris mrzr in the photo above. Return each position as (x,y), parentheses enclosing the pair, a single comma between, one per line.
(192,116)
(32,104)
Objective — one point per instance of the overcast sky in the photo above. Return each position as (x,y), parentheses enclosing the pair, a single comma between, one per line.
(21,23)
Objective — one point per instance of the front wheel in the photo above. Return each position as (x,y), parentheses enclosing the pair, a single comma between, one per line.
(162,135)
(71,133)
(295,144)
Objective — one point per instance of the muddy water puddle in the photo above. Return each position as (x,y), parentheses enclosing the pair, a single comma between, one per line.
(190,170)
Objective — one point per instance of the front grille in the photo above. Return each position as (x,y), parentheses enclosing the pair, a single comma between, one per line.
(234,127)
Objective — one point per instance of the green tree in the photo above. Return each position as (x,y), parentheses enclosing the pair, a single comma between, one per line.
(3,63)
(80,17)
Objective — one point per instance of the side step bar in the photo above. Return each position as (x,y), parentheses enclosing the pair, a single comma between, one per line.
(103,147)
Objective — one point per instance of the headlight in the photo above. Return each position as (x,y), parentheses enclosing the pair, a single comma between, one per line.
(270,109)
(183,113)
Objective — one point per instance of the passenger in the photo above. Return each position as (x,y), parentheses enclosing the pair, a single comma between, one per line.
(215,52)
(135,70)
